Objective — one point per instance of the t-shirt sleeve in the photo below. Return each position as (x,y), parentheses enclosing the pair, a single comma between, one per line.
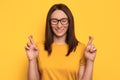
(83,60)
(39,46)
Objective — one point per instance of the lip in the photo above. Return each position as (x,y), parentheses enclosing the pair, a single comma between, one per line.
(59,31)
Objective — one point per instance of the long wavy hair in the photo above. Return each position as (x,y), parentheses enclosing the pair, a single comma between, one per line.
(70,38)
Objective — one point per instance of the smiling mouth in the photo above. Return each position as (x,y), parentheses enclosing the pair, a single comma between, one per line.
(59,31)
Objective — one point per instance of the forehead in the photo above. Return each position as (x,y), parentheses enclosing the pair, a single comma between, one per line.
(58,14)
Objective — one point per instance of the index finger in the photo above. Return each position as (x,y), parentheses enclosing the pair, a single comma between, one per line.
(31,39)
(90,40)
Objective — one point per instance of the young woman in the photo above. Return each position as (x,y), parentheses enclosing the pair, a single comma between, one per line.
(62,56)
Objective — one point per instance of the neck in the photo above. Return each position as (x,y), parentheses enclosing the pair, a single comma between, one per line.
(59,40)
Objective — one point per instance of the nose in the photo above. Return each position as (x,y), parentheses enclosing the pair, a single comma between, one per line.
(59,25)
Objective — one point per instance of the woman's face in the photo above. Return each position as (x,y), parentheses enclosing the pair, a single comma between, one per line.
(59,23)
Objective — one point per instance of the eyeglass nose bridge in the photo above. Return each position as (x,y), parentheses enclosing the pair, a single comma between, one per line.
(59,21)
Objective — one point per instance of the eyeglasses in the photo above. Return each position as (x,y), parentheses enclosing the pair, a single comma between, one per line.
(55,21)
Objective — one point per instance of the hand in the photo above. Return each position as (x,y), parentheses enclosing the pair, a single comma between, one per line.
(31,50)
(90,51)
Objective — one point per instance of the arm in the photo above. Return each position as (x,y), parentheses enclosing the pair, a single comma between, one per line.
(88,71)
(33,73)
(32,54)
(90,53)
(81,72)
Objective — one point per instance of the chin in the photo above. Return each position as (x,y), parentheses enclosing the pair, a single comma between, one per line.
(59,34)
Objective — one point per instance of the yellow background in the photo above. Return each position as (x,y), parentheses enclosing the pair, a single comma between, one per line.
(20,18)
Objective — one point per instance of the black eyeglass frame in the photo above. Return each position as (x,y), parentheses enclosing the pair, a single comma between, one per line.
(60,20)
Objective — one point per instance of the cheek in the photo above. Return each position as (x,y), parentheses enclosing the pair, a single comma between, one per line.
(52,26)
(66,27)
(55,26)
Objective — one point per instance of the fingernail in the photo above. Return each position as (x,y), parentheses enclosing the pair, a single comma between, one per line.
(30,36)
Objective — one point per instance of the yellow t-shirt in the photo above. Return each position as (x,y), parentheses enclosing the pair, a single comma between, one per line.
(57,66)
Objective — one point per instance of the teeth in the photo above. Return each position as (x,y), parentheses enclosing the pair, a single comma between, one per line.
(59,30)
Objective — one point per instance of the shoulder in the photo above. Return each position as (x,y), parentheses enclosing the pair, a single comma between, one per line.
(80,48)
(81,45)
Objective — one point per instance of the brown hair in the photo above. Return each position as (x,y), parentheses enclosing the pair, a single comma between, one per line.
(70,38)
